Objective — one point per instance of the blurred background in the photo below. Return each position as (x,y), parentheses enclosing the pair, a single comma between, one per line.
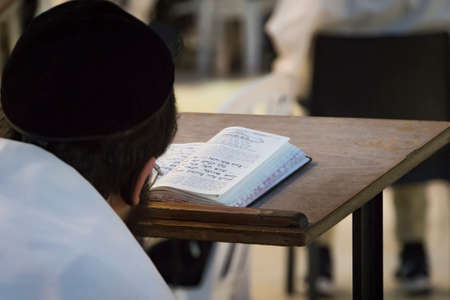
(223,53)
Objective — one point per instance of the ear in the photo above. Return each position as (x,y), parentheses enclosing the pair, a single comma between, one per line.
(145,172)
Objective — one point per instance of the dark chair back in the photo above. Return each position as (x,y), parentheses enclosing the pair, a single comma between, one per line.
(395,77)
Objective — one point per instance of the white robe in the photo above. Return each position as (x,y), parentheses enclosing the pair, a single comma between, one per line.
(294,23)
(59,239)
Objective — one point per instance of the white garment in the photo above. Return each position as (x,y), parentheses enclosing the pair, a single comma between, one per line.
(59,237)
(294,23)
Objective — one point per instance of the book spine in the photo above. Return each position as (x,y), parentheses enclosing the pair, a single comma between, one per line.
(281,173)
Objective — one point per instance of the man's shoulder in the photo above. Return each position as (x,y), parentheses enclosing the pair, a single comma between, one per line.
(27,168)
(59,235)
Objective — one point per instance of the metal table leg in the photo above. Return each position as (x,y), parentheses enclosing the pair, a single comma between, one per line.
(290,266)
(313,270)
(368,250)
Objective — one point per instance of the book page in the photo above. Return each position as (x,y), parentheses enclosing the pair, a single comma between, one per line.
(223,161)
(281,165)
(175,155)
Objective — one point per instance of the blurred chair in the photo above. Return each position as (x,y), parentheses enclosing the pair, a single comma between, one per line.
(141,9)
(212,15)
(202,270)
(395,77)
(402,77)
(224,277)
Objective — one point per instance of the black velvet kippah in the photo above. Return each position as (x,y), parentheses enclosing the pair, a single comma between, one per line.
(85,69)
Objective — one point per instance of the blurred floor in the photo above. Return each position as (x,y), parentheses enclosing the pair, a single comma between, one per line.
(268,264)
(196,95)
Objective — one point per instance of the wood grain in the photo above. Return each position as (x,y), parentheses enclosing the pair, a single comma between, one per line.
(233,233)
(353,160)
(170,209)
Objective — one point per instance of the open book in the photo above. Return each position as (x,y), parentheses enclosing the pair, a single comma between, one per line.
(233,168)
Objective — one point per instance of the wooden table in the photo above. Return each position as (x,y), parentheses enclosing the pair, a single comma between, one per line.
(353,161)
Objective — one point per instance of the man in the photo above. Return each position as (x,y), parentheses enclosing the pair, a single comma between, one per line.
(68,90)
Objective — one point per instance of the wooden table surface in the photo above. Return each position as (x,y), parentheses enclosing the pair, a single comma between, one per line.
(352,161)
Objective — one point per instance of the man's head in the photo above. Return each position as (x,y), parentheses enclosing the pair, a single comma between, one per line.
(93,85)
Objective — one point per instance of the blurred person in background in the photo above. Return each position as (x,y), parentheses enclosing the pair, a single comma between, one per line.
(292,28)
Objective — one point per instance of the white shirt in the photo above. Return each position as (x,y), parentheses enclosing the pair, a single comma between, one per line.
(294,23)
(59,237)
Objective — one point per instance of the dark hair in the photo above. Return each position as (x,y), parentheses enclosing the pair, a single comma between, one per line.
(112,165)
